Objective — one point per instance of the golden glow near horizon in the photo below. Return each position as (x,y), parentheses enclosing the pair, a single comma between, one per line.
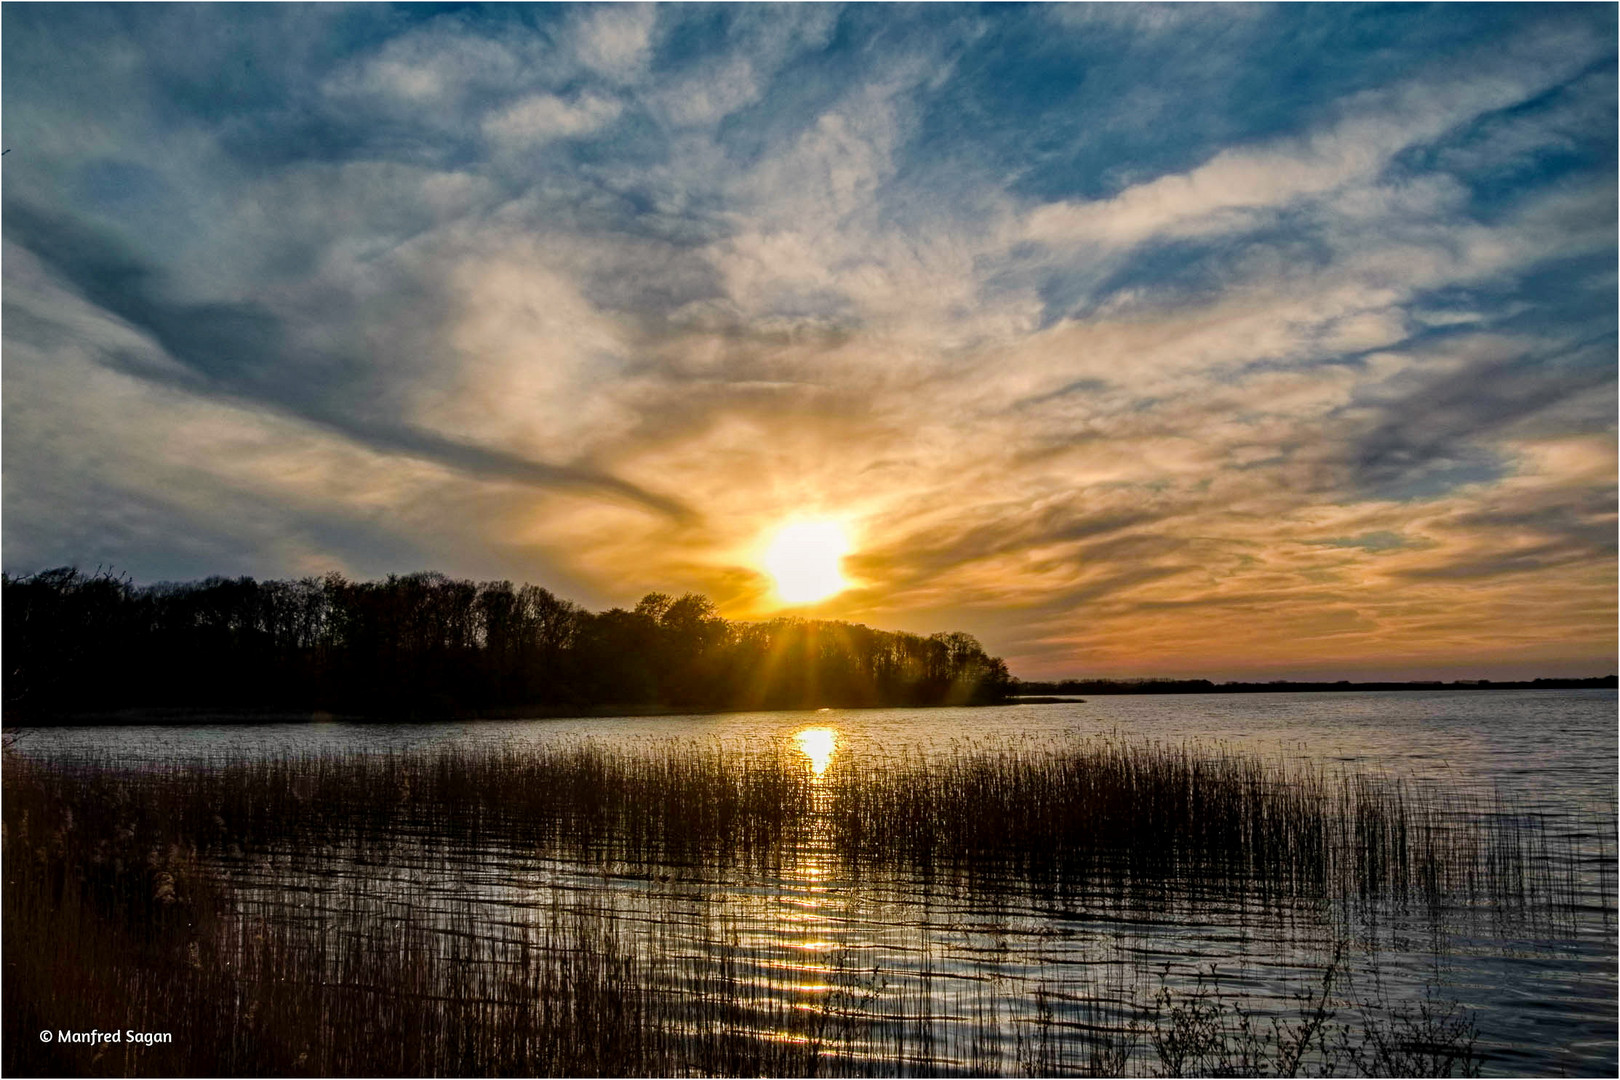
(819,744)
(805,559)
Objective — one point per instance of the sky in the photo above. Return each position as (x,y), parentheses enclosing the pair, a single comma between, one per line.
(1230,341)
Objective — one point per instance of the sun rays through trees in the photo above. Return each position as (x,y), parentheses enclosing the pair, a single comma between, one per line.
(426,644)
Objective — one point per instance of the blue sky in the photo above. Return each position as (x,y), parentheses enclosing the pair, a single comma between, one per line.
(1232,340)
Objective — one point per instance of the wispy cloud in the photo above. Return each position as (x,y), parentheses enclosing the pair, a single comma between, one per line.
(614,39)
(1236,189)
(543,117)
(1136,340)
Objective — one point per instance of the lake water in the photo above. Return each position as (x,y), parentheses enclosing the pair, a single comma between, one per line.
(989,964)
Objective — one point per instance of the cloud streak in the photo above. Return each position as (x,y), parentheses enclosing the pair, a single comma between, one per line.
(1136,343)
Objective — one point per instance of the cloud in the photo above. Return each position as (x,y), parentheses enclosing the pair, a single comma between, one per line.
(1227,192)
(711,93)
(543,117)
(1128,353)
(427,76)
(614,39)
(238,352)
(1443,424)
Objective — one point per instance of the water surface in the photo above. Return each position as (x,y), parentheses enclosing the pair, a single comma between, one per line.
(989,959)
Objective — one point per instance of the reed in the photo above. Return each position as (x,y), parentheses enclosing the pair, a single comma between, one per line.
(1190,823)
(128,895)
(1074,822)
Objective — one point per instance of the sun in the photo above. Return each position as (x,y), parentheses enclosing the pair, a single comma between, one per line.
(805,559)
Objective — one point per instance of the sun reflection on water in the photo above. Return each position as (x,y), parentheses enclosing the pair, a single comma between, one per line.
(819,744)
(810,932)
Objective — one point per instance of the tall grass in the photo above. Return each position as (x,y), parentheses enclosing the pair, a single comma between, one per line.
(1103,814)
(1108,814)
(122,905)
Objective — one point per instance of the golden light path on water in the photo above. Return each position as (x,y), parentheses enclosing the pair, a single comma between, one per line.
(810,930)
(819,744)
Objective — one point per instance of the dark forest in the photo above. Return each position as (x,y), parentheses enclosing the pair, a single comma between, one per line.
(422,645)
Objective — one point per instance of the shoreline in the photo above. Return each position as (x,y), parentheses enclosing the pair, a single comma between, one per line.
(199,716)
(203,715)
(1066,688)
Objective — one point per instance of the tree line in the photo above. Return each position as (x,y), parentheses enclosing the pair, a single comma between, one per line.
(1094,687)
(426,644)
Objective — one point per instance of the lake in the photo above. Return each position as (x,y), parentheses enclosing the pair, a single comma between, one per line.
(939,961)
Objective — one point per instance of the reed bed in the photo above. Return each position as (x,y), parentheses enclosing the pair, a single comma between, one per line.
(119,903)
(1108,816)
(366,989)
(1100,817)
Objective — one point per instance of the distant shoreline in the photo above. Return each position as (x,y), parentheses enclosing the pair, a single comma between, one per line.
(1040,695)
(1068,688)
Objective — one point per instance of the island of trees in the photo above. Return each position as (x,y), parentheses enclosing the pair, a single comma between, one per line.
(425,644)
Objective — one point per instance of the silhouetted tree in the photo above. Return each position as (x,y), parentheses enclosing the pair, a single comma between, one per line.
(427,644)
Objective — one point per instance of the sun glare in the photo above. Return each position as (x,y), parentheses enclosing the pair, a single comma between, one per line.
(805,559)
(819,744)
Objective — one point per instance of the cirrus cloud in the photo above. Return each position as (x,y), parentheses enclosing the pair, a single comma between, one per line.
(1137,342)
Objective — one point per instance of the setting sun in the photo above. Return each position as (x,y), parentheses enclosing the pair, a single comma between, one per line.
(805,560)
